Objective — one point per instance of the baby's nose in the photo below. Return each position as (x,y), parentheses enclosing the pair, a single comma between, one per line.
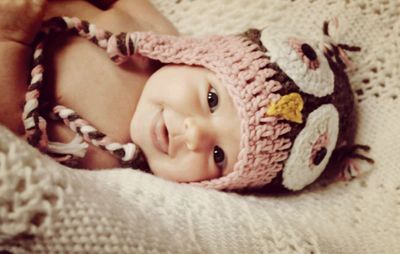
(198,133)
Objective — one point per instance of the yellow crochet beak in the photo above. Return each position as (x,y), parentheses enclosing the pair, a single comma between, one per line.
(288,107)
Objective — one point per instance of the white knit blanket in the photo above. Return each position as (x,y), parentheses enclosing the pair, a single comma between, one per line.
(48,208)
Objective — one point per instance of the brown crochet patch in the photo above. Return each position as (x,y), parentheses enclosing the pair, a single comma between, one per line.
(254,35)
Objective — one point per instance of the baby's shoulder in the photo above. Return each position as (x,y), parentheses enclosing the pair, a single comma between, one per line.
(115,16)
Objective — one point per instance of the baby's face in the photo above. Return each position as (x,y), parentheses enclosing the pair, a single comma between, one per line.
(187,125)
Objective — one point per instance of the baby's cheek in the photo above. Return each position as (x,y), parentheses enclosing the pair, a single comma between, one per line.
(185,168)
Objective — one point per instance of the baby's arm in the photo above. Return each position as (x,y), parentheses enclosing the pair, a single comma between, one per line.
(141,11)
(13,83)
(15,36)
(147,15)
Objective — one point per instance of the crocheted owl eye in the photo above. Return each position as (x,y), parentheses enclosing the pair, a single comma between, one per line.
(301,61)
(312,148)
(305,52)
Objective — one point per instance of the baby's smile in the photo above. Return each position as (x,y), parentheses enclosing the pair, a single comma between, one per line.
(159,133)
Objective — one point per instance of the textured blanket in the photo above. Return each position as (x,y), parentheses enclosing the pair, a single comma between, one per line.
(49,208)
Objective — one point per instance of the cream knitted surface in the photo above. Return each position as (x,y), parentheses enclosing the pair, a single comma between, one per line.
(48,208)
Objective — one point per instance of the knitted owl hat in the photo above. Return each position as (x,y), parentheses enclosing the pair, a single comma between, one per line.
(292,96)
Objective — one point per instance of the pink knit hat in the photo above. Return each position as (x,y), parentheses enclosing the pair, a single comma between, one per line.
(292,96)
(242,67)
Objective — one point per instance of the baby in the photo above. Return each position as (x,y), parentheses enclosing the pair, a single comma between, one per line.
(223,112)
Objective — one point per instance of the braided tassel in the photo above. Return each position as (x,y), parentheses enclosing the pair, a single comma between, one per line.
(76,148)
(125,152)
(35,126)
(119,48)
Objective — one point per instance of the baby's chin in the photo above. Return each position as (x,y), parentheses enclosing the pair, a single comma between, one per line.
(159,171)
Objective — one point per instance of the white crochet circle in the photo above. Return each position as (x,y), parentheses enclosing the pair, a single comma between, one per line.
(297,172)
(318,82)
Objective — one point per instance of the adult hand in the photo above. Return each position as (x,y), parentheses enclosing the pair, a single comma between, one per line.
(20,19)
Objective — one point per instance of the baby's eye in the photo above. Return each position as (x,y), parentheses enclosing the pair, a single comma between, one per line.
(219,157)
(212,99)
